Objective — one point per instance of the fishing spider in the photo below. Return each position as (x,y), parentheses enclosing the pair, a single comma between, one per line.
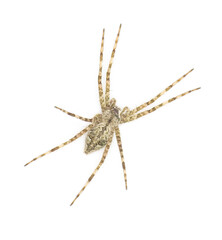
(104,125)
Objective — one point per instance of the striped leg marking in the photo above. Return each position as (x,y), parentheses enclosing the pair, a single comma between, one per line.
(109,68)
(97,168)
(134,117)
(101,94)
(118,138)
(63,144)
(158,95)
(74,115)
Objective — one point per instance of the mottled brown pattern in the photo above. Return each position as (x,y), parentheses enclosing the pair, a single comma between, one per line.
(101,95)
(104,125)
(63,144)
(74,115)
(160,105)
(99,134)
(158,95)
(97,168)
(119,142)
(107,97)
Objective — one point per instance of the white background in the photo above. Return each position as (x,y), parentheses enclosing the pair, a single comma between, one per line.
(49,55)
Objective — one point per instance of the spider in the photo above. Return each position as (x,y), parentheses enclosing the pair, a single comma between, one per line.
(104,125)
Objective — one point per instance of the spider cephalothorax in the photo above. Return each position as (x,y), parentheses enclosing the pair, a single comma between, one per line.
(104,125)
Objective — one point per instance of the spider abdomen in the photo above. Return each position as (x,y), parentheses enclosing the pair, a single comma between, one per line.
(100,133)
(96,138)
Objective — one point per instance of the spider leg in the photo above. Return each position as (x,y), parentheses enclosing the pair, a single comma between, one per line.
(158,95)
(118,138)
(97,168)
(134,117)
(63,144)
(101,94)
(74,115)
(109,68)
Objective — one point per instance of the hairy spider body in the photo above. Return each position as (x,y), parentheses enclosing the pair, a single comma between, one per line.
(103,126)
